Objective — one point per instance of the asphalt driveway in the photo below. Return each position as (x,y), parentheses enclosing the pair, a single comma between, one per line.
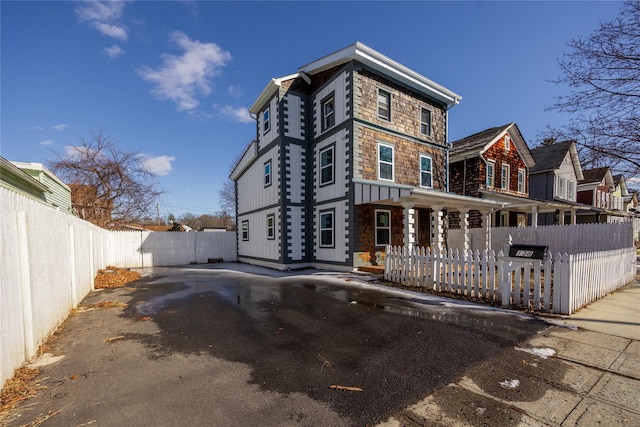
(219,346)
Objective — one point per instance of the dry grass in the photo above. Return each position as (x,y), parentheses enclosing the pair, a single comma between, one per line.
(114,277)
(19,388)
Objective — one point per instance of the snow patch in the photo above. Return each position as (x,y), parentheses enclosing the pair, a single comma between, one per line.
(510,384)
(543,353)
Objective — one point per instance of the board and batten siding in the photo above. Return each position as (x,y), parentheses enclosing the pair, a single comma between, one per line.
(340,86)
(264,139)
(296,224)
(252,194)
(259,245)
(339,253)
(295,178)
(340,168)
(295,115)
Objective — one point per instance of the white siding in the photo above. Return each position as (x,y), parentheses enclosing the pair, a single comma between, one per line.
(258,244)
(296,173)
(340,86)
(567,173)
(265,138)
(295,119)
(340,162)
(339,252)
(252,194)
(296,233)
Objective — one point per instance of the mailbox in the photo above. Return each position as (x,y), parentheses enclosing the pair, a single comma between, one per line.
(528,251)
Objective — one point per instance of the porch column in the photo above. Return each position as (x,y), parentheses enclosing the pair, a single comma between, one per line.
(437,240)
(486,224)
(534,216)
(561,217)
(464,216)
(573,216)
(409,223)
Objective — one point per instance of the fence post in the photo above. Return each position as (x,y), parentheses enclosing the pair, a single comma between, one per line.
(504,285)
(25,283)
(72,267)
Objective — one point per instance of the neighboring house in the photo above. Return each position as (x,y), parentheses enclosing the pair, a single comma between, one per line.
(555,177)
(210,229)
(597,190)
(37,182)
(350,156)
(620,196)
(493,164)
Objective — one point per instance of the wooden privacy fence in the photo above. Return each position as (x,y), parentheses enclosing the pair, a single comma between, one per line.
(560,284)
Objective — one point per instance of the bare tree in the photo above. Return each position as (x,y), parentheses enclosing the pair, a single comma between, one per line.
(227,193)
(109,186)
(603,74)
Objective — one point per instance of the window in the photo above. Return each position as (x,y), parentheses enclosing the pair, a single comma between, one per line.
(521,176)
(384,104)
(383,227)
(326,229)
(490,173)
(571,190)
(326,166)
(507,143)
(425,121)
(503,219)
(328,113)
(267,173)
(271,228)
(426,175)
(245,230)
(504,179)
(385,162)
(266,122)
(562,192)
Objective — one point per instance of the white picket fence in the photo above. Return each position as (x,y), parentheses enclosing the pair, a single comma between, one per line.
(572,239)
(560,284)
(48,260)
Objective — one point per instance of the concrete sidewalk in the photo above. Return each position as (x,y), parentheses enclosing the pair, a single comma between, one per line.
(583,372)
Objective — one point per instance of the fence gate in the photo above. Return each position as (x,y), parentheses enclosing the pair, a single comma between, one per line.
(525,283)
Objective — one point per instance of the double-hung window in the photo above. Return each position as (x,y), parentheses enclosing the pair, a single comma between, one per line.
(425,121)
(385,162)
(521,177)
(562,192)
(504,179)
(267,173)
(326,166)
(426,173)
(266,120)
(383,227)
(271,226)
(507,143)
(384,104)
(245,230)
(491,166)
(328,113)
(571,191)
(326,229)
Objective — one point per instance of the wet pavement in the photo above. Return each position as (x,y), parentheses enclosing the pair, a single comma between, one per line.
(218,346)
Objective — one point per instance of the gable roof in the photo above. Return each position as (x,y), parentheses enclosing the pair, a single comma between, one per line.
(476,144)
(549,158)
(595,175)
(365,55)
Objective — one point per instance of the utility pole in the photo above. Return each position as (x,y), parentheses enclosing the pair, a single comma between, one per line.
(158,212)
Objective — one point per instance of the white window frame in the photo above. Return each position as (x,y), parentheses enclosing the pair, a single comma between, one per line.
(507,142)
(381,162)
(424,124)
(328,117)
(266,120)
(322,228)
(561,191)
(268,174)
(271,227)
(505,176)
(571,190)
(521,180)
(377,227)
(430,171)
(386,95)
(491,174)
(245,230)
(322,167)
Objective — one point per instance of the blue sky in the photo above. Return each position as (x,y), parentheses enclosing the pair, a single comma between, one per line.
(173,80)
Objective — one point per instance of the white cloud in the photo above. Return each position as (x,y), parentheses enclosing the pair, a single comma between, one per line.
(239,114)
(185,78)
(104,16)
(235,91)
(46,142)
(113,51)
(60,127)
(159,165)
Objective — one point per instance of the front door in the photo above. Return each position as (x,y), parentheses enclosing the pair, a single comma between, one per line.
(423,228)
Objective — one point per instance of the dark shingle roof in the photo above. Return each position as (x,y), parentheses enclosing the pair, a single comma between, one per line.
(477,140)
(594,175)
(549,157)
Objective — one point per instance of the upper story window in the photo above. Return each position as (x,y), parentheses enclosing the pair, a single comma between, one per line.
(504,179)
(385,162)
(271,227)
(245,230)
(384,104)
(425,121)
(521,177)
(426,174)
(266,120)
(326,166)
(561,191)
(571,191)
(326,229)
(507,142)
(267,173)
(328,113)
(383,227)
(491,166)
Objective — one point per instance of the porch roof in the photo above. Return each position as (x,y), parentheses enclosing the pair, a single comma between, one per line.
(521,204)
